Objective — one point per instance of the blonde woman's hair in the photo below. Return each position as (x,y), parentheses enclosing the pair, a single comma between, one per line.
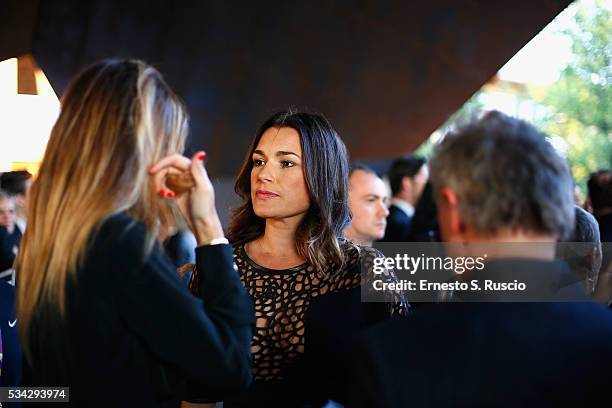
(117,118)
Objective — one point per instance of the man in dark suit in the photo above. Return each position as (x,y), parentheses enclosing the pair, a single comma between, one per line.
(496,180)
(600,201)
(407,178)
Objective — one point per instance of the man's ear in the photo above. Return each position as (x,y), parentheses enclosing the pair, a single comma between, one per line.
(456,226)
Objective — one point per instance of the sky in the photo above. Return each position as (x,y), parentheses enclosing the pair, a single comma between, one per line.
(542,59)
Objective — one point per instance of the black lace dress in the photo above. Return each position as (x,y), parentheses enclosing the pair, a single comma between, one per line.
(282,300)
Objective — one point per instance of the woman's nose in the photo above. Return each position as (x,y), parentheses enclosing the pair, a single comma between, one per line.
(265,173)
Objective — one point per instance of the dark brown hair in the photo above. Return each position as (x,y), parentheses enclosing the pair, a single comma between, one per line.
(326,171)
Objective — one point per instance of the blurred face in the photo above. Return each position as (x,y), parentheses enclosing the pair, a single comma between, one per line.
(7,213)
(278,184)
(368,202)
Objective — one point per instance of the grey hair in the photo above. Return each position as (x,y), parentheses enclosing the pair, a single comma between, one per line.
(587,228)
(507,175)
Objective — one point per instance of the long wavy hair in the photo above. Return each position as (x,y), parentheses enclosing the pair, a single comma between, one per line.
(117,118)
(326,172)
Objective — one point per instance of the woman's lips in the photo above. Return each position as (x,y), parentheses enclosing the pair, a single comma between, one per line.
(265,194)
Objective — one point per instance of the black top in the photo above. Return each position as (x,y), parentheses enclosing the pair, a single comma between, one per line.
(282,300)
(133,332)
(488,354)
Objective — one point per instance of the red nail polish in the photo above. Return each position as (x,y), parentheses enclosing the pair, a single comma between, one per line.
(169,194)
(161,192)
(201,156)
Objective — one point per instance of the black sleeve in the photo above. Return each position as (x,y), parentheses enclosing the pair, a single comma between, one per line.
(209,338)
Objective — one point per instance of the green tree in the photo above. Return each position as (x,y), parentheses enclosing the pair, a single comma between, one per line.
(581,99)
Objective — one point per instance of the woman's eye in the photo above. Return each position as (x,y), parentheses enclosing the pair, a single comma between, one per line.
(258,162)
(287,163)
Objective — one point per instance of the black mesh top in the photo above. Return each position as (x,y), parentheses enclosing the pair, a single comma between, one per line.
(282,297)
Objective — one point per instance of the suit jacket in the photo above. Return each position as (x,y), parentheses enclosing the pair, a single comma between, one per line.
(398,225)
(134,333)
(331,327)
(487,354)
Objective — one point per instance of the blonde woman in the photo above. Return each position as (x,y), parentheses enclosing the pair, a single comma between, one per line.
(100,307)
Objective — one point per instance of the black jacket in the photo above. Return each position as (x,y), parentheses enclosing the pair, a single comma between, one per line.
(133,333)
(398,225)
(11,350)
(487,354)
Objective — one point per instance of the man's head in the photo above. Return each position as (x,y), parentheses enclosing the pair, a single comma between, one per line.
(17,184)
(600,191)
(7,211)
(498,178)
(407,178)
(368,202)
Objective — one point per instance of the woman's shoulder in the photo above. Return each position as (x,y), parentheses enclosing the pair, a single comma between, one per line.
(118,235)
(358,253)
(357,258)
(240,257)
(120,222)
(120,228)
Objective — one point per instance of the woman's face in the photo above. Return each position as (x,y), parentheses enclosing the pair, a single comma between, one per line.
(278,184)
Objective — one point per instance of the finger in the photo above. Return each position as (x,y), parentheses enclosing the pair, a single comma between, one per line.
(159,181)
(198,171)
(176,161)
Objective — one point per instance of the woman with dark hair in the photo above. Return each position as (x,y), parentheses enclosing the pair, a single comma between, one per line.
(288,246)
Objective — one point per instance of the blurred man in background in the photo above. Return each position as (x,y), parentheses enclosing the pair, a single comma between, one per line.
(17,184)
(407,178)
(368,202)
(481,353)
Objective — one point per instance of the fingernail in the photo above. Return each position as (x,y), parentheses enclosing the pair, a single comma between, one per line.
(169,194)
(151,169)
(161,192)
(201,156)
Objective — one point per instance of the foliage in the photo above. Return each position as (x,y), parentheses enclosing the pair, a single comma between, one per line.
(580,101)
